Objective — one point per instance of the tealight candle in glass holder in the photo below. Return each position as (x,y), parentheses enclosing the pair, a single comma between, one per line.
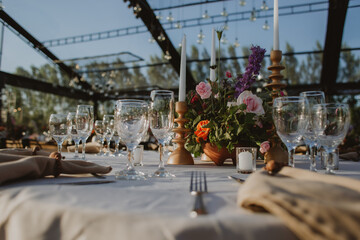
(246,159)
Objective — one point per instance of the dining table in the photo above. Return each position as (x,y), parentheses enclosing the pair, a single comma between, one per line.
(154,208)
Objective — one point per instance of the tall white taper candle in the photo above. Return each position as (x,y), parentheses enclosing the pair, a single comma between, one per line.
(276,25)
(182,84)
(213,56)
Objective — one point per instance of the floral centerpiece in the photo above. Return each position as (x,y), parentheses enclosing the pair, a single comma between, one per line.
(225,113)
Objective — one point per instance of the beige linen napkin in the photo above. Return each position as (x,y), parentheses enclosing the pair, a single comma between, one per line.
(16,167)
(352,156)
(90,147)
(312,205)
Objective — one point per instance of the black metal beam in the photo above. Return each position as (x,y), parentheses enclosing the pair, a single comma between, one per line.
(41,86)
(39,46)
(155,28)
(334,33)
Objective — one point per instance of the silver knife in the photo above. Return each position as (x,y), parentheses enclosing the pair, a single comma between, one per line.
(239,180)
(88,182)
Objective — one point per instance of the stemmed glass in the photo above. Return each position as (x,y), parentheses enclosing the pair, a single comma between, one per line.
(313,97)
(84,123)
(131,123)
(331,126)
(289,114)
(116,139)
(99,131)
(108,126)
(71,118)
(161,117)
(59,128)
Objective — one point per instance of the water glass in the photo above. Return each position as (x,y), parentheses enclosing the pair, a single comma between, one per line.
(131,123)
(99,131)
(84,123)
(138,155)
(289,114)
(59,128)
(312,97)
(71,118)
(331,127)
(108,125)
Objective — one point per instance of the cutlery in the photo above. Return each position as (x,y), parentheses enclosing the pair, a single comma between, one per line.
(238,179)
(88,182)
(198,186)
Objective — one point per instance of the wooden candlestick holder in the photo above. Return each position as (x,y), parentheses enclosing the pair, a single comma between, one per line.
(276,77)
(180,156)
(276,152)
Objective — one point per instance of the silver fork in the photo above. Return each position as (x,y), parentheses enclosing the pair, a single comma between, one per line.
(198,186)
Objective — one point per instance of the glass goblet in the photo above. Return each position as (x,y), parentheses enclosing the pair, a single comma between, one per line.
(131,122)
(289,115)
(108,125)
(116,139)
(59,128)
(161,118)
(85,122)
(99,131)
(312,97)
(71,117)
(331,126)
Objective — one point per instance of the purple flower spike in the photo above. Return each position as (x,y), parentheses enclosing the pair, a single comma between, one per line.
(248,78)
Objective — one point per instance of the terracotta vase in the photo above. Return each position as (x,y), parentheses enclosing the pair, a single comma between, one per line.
(218,156)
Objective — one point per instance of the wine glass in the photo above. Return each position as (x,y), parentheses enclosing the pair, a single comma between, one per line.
(161,117)
(116,139)
(289,114)
(99,131)
(84,123)
(331,126)
(59,128)
(313,97)
(71,118)
(131,122)
(108,125)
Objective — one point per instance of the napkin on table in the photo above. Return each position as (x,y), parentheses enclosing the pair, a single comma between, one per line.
(312,205)
(16,167)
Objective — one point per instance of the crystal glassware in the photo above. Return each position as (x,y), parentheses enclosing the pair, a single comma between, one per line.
(99,131)
(131,123)
(289,115)
(312,97)
(161,118)
(108,125)
(59,128)
(331,126)
(84,124)
(116,139)
(71,118)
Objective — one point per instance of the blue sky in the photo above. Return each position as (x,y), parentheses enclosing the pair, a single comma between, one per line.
(50,19)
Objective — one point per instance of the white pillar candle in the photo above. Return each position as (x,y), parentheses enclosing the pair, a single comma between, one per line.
(182,84)
(276,25)
(245,161)
(213,56)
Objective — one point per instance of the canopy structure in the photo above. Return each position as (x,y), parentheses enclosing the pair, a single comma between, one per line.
(80,69)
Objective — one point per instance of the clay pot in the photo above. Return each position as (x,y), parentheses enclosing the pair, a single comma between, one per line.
(218,156)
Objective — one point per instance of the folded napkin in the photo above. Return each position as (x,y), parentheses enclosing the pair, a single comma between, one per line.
(90,147)
(312,205)
(16,167)
(25,152)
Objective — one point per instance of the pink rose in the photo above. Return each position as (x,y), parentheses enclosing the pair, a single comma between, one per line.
(264,147)
(204,90)
(253,102)
(228,74)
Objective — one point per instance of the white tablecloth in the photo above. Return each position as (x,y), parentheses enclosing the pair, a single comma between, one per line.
(149,209)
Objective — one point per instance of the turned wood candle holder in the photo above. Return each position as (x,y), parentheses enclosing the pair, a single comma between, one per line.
(276,152)
(180,156)
(276,77)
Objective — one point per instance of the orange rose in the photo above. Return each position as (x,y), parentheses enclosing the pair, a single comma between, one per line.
(202,132)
